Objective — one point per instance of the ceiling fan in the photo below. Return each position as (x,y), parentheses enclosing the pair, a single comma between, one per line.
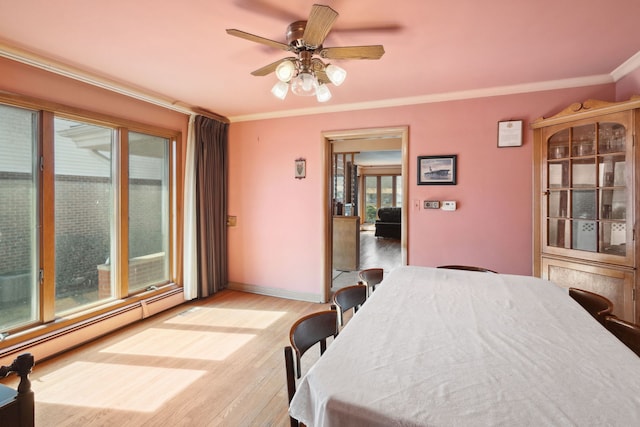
(306,72)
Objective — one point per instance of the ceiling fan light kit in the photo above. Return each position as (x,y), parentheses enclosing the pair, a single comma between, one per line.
(323,94)
(304,84)
(336,74)
(285,71)
(306,74)
(280,89)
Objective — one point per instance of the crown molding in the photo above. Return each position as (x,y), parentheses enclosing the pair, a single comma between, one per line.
(626,67)
(55,67)
(434,98)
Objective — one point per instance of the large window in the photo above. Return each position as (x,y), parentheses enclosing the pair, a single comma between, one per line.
(86,214)
(148,210)
(83,211)
(381,191)
(371,198)
(18,238)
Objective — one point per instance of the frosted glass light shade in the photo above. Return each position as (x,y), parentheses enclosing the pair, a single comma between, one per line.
(323,94)
(285,70)
(336,74)
(304,84)
(280,89)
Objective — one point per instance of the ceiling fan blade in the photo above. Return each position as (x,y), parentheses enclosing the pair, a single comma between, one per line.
(382,28)
(258,39)
(268,69)
(319,24)
(353,52)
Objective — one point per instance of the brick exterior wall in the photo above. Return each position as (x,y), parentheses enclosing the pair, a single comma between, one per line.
(16,194)
(83,209)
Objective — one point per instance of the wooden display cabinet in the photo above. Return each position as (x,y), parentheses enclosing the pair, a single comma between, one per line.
(346,243)
(585,200)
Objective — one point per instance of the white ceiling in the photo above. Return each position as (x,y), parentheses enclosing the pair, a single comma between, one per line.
(179,52)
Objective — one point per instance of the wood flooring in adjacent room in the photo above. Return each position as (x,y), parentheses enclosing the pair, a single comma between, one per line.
(375,252)
(217,362)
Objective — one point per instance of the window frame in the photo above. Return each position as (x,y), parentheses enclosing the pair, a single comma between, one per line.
(47,320)
(378,177)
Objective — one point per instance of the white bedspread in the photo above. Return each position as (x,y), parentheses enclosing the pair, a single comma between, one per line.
(436,347)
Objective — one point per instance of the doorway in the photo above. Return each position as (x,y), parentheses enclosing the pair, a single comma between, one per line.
(360,140)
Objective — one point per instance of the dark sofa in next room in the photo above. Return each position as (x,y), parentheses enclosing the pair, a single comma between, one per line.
(388,222)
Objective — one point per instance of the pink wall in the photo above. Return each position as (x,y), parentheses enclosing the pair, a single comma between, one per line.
(278,241)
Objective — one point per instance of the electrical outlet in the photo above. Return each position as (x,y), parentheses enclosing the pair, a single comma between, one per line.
(431,204)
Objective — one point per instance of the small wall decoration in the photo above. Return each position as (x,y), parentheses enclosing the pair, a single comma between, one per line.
(437,170)
(510,133)
(301,168)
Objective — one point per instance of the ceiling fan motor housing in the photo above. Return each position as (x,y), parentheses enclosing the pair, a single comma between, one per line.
(295,32)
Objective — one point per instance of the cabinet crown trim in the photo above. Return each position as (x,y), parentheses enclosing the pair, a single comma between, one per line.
(588,108)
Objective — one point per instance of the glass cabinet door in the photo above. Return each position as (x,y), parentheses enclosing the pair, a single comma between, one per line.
(586,188)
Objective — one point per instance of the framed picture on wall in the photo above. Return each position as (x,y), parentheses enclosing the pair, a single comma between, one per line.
(510,133)
(437,170)
(301,168)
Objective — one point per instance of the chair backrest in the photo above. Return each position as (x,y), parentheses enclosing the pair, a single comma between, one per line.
(628,333)
(468,268)
(312,329)
(307,331)
(16,406)
(347,298)
(597,305)
(371,277)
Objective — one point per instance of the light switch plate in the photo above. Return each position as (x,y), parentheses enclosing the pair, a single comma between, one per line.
(449,205)
(431,204)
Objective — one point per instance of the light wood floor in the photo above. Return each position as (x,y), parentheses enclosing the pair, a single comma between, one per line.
(217,362)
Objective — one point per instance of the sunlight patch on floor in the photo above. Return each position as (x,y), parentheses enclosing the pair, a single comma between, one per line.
(178,343)
(113,386)
(227,317)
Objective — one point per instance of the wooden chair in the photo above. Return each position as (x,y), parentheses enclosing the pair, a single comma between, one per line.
(371,277)
(468,268)
(347,298)
(597,305)
(307,331)
(16,406)
(628,333)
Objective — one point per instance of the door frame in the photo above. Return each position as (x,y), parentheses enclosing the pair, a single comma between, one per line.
(328,137)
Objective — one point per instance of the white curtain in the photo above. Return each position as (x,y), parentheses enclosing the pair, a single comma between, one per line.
(190,226)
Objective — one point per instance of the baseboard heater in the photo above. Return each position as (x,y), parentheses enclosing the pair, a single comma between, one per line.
(55,342)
